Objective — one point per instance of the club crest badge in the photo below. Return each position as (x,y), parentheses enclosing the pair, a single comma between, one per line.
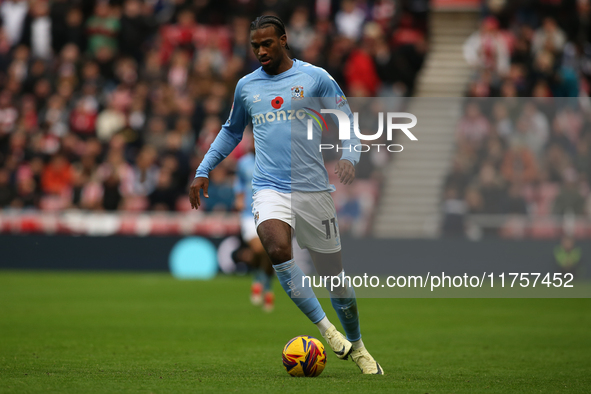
(297,92)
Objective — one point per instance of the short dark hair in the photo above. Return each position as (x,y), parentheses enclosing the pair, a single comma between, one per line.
(269,20)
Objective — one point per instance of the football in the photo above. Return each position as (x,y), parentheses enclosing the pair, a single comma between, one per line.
(304,356)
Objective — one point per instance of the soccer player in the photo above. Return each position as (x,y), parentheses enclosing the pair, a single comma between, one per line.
(261,290)
(259,95)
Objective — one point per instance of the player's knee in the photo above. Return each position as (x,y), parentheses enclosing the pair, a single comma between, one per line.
(279,253)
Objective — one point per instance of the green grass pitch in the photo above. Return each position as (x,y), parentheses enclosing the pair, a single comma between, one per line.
(149,333)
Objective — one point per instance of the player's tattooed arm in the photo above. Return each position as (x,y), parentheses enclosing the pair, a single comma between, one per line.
(198,184)
(345,171)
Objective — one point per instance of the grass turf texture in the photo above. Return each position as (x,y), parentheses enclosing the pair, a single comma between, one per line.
(97,332)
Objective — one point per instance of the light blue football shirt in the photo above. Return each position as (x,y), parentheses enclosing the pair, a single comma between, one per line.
(265,100)
(243,183)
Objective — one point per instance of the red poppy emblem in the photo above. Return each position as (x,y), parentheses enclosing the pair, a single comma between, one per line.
(277,102)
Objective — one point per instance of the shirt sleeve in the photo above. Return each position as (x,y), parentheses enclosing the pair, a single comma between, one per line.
(334,98)
(229,136)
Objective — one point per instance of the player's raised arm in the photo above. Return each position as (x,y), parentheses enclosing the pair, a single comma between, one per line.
(225,142)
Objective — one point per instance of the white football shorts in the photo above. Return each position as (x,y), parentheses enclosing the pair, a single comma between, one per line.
(248,228)
(312,216)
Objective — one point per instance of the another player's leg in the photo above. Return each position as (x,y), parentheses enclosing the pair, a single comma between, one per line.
(344,303)
(256,289)
(269,297)
(264,275)
(245,254)
(252,253)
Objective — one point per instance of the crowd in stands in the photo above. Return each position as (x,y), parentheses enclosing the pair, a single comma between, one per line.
(111,105)
(523,143)
(531,49)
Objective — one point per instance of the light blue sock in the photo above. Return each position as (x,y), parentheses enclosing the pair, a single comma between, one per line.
(290,276)
(345,304)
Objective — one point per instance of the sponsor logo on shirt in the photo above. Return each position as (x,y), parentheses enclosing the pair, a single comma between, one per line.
(278,116)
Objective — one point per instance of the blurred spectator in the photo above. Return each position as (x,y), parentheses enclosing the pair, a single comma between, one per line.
(473,127)
(454,209)
(83,118)
(487,49)
(360,70)
(57,176)
(567,255)
(493,152)
(519,164)
(7,193)
(569,123)
(8,114)
(37,30)
(514,203)
(74,30)
(570,199)
(458,179)
(301,33)
(349,20)
(532,129)
(491,189)
(55,116)
(13,14)
(102,29)
(136,25)
(156,133)
(164,196)
(549,37)
(556,161)
(179,35)
(145,171)
(28,195)
(502,122)
(111,192)
(582,161)
(474,202)
(409,48)
(111,120)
